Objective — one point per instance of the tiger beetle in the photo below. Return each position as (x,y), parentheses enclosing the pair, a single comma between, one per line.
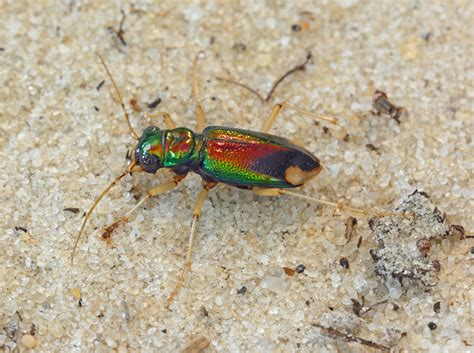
(266,164)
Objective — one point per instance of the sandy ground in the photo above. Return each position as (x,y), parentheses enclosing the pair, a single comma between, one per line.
(63,138)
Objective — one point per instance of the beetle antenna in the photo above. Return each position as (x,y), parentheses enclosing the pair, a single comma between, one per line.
(130,169)
(132,132)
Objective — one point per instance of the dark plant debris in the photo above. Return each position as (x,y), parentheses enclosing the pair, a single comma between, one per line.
(360,309)
(349,337)
(300,268)
(154,103)
(351,223)
(381,105)
(404,242)
(300,67)
(99,86)
(372,147)
(120,32)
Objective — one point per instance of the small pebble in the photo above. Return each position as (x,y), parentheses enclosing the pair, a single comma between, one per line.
(28,341)
(242,290)
(437,307)
(300,268)
(76,293)
(432,326)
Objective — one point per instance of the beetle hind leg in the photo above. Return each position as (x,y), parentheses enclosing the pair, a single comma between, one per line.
(339,205)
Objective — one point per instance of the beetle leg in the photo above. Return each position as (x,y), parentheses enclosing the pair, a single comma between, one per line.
(160,189)
(278,107)
(170,124)
(339,205)
(200,115)
(200,118)
(188,261)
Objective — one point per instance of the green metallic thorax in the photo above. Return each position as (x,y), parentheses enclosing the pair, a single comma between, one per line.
(173,148)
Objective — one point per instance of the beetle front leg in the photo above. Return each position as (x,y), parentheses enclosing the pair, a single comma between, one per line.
(169,122)
(160,189)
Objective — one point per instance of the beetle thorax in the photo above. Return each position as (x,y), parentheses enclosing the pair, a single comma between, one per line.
(165,149)
(179,147)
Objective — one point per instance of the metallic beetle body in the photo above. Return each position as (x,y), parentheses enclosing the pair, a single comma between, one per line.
(236,157)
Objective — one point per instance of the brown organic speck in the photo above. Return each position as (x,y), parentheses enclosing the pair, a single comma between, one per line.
(289,271)
(359,243)
(204,311)
(424,246)
(351,223)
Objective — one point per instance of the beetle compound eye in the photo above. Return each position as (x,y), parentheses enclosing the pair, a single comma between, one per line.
(149,162)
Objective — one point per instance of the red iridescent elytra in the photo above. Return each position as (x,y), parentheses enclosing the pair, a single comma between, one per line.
(231,156)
